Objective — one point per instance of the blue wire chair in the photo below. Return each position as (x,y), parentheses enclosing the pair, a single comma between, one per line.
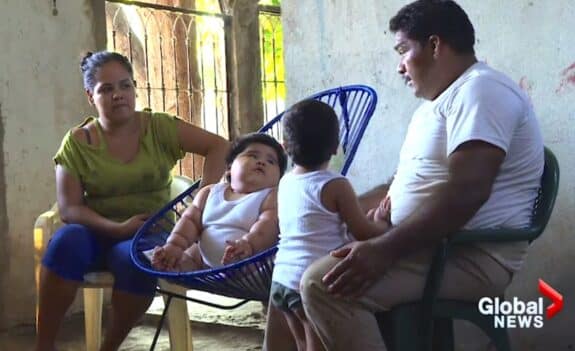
(249,279)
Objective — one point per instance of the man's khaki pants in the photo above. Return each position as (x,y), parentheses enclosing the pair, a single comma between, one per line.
(348,324)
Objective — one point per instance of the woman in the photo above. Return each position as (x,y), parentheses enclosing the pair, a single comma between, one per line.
(112,172)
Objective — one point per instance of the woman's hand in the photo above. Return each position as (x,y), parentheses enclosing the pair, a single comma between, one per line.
(131,225)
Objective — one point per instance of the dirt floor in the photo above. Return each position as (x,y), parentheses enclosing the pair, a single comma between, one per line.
(212,329)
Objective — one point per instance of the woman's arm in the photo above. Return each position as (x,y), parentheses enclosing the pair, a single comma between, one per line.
(213,147)
(262,235)
(70,196)
(338,195)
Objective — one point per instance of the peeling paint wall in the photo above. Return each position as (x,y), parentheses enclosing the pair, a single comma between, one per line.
(335,42)
(41,97)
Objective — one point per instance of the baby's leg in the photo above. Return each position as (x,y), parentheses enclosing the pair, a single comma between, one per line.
(192,259)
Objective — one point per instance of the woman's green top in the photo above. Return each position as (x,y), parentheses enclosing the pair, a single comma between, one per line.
(118,190)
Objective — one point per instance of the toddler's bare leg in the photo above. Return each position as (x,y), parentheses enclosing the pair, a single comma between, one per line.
(312,340)
(297,329)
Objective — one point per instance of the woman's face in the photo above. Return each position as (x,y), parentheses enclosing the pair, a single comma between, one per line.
(114,94)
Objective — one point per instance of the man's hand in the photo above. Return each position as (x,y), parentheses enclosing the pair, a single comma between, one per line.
(363,262)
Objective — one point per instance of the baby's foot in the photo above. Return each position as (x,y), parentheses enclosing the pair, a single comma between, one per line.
(190,263)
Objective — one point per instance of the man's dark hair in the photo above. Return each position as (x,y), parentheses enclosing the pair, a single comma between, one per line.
(444,18)
(310,132)
(242,143)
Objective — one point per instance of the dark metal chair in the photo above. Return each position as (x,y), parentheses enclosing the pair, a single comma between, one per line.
(428,324)
(250,279)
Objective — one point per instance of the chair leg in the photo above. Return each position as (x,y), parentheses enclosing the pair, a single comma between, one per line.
(400,328)
(93,300)
(178,319)
(443,334)
(499,337)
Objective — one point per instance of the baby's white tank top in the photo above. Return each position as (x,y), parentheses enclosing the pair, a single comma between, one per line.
(227,220)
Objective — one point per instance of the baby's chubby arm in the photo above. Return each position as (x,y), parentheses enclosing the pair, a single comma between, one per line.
(186,232)
(262,235)
(338,196)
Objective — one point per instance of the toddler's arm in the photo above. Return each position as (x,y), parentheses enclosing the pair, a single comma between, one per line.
(338,195)
(262,235)
(186,232)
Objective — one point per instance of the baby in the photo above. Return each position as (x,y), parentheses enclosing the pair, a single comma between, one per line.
(231,220)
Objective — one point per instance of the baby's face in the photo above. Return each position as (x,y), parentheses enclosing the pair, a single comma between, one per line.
(256,167)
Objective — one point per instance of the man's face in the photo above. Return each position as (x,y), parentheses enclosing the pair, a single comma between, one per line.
(415,65)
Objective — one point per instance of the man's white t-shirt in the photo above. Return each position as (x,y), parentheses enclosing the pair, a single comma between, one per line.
(482,104)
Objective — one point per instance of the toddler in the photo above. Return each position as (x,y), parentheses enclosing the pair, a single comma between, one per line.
(316,210)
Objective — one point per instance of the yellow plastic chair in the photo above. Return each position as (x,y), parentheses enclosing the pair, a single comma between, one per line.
(95,282)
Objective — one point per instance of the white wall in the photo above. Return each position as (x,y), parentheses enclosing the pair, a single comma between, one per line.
(335,42)
(41,96)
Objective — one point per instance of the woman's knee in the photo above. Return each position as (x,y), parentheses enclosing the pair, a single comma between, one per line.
(71,251)
(127,276)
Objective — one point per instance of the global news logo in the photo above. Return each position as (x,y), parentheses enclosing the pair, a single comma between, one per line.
(521,314)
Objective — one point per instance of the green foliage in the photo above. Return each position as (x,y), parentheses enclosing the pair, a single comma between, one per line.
(271,41)
(207,6)
(270,2)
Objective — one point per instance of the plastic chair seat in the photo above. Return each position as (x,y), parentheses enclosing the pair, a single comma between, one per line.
(95,283)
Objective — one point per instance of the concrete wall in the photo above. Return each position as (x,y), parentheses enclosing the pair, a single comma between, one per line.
(335,42)
(41,96)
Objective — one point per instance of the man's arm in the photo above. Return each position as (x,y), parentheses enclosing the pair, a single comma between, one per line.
(473,167)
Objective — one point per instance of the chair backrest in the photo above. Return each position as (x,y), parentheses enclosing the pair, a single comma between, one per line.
(547,193)
(179,185)
(354,106)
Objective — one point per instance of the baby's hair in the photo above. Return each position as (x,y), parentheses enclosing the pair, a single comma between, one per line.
(92,62)
(241,143)
(310,133)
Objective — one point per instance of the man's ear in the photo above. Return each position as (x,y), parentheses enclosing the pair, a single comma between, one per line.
(434,43)
(90,97)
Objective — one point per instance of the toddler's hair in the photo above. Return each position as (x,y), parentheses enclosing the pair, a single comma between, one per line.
(310,133)
(241,143)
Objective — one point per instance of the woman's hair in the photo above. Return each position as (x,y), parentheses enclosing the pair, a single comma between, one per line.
(241,143)
(423,18)
(310,132)
(92,62)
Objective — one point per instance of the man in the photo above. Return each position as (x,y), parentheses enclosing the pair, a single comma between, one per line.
(472,158)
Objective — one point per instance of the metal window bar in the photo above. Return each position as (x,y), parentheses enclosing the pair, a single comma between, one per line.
(179,61)
(271,51)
